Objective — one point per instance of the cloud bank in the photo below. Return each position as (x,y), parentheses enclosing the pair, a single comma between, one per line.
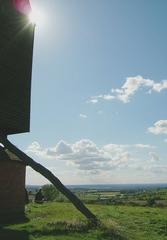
(85,155)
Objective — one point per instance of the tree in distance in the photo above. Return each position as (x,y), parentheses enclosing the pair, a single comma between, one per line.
(50,192)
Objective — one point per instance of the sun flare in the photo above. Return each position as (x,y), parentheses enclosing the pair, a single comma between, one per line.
(36,17)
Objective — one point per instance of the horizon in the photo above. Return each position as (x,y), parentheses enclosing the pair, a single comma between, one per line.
(109,184)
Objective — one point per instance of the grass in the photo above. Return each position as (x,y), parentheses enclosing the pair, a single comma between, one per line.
(61,221)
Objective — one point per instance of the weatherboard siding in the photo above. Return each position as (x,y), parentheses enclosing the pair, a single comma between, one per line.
(12,189)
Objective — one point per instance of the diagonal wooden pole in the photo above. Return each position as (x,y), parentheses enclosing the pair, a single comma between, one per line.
(50,176)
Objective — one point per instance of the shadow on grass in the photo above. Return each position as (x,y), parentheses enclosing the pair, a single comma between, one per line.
(8,234)
(13,220)
(63,227)
(60,228)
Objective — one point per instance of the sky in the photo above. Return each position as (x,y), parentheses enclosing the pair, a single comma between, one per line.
(99,89)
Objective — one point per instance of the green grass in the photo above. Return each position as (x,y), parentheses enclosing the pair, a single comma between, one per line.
(61,221)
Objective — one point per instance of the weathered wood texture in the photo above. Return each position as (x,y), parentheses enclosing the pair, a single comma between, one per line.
(12,187)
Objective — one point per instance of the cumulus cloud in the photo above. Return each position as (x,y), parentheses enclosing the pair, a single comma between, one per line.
(36,149)
(86,156)
(158,87)
(160,127)
(129,88)
(60,149)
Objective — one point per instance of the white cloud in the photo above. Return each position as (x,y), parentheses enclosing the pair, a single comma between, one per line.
(85,155)
(158,87)
(61,148)
(129,88)
(144,146)
(160,127)
(85,162)
(107,97)
(95,99)
(83,115)
(36,149)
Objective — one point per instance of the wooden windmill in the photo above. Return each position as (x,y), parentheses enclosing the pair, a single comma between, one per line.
(16,50)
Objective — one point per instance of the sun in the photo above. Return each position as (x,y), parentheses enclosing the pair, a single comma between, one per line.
(36,17)
(32,18)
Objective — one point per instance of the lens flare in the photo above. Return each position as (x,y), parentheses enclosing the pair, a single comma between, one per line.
(22,6)
(36,17)
(33,17)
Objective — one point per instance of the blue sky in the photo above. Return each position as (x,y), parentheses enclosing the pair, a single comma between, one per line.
(99,90)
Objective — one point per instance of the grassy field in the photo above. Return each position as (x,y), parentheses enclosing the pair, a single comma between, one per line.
(61,221)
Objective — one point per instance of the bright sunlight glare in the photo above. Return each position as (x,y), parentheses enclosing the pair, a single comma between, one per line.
(36,17)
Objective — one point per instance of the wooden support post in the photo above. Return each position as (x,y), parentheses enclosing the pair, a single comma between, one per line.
(53,179)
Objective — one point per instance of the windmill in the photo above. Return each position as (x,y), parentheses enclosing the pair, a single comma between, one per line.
(16,51)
